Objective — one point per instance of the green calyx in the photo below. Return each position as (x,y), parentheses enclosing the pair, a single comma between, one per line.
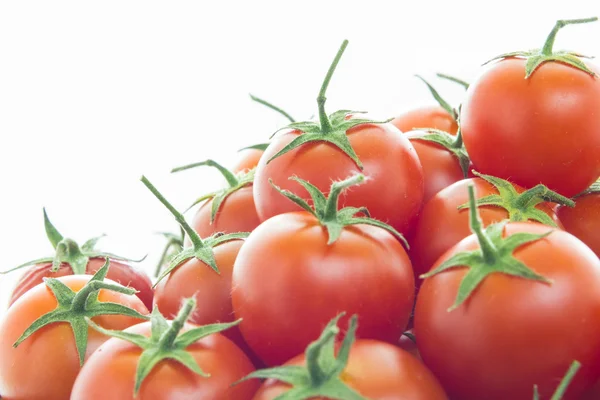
(260,146)
(563,385)
(74,308)
(201,249)
(67,251)
(166,341)
(321,377)
(520,207)
(172,247)
(330,128)
(443,103)
(234,183)
(454,144)
(535,58)
(325,209)
(495,255)
(454,79)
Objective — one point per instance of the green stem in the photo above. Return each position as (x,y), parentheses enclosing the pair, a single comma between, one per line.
(566,381)
(488,249)
(227,174)
(326,126)
(548,46)
(81,298)
(68,251)
(194,237)
(331,207)
(272,107)
(168,338)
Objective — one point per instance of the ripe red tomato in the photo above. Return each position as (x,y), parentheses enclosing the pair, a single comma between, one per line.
(426,117)
(376,370)
(514,332)
(441,225)
(110,372)
(286,268)
(45,365)
(539,129)
(583,220)
(248,159)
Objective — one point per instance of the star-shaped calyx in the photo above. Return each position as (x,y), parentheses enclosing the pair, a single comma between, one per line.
(494,255)
(454,144)
(75,307)
(325,209)
(321,377)
(201,249)
(166,341)
(67,251)
(535,58)
(330,128)
(521,207)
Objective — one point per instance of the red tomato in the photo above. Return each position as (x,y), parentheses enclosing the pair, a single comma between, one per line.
(376,370)
(441,225)
(119,272)
(426,117)
(247,160)
(393,193)
(45,365)
(513,332)
(583,221)
(110,372)
(543,129)
(286,268)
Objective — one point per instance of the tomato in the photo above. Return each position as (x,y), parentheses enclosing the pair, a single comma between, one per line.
(45,365)
(539,129)
(426,117)
(376,370)
(119,272)
(583,221)
(512,332)
(248,159)
(441,225)
(110,373)
(293,274)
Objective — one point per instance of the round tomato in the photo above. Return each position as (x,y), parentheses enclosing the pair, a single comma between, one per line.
(536,122)
(441,224)
(508,333)
(583,220)
(249,158)
(426,117)
(45,364)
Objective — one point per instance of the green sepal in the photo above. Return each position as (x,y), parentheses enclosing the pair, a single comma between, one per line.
(201,249)
(454,79)
(272,107)
(593,189)
(520,207)
(563,385)
(166,341)
(325,209)
(260,146)
(536,57)
(454,144)
(74,308)
(234,182)
(67,251)
(443,103)
(495,255)
(321,375)
(174,245)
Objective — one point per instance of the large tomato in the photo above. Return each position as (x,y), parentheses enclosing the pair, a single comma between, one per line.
(533,118)
(441,224)
(583,220)
(44,366)
(510,310)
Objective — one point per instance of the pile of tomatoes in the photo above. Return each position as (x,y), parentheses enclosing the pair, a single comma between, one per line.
(448,253)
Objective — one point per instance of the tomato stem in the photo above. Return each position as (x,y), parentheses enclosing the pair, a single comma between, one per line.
(326,126)
(549,44)
(232,180)
(81,298)
(168,338)
(331,208)
(194,237)
(272,107)
(488,249)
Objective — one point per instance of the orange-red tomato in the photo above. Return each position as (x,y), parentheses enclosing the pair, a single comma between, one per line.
(376,370)
(583,220)
(247,160)
(45,365)
(110,372)
(426,117)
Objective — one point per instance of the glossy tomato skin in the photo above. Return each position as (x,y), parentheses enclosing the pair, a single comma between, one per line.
(119,272)
(514,333)
(248,160)
(110,372)
(44,366)
(441,225)
(543,129)
(288,284)
(393,192)
(378,371)
(236,214)
(440,167)
(583,220)
(426,117)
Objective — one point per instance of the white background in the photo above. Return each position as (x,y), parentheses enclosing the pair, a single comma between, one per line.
(94,94)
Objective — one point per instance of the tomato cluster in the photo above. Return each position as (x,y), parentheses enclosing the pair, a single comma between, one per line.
(448,253)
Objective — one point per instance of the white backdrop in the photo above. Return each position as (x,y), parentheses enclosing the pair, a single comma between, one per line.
(93,94)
